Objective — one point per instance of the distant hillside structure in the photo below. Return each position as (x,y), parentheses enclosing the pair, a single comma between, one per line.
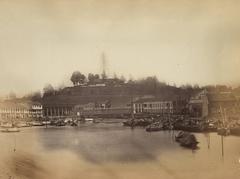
(111,97)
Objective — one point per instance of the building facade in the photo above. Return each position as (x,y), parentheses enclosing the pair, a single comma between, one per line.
(20,110)
(153,106)
(199,105)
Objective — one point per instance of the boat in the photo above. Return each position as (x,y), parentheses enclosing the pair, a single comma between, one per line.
(35,123)
(6,125)
(157,126)
(224,131)
(137,122)
(23,124)
(74,124)
(187,140)
(235,131)
(60,123)
(90,120)
(11,129)
(210,127)
(129,123)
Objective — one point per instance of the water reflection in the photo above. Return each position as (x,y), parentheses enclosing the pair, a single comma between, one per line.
(101,143)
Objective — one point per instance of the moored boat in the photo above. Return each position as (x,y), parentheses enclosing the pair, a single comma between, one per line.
(187,140)
(89,120)
(224,131)
(11,129)
(36,123)
(137,122)
(6,125)
(157,126)
(235,131)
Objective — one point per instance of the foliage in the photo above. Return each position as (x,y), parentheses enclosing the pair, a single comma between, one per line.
(48,90)
(77,78)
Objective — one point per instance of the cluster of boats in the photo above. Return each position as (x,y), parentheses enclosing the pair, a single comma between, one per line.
(15,127)
(184,138)
(225,131)
(153,125)
(158,125)
(138,122)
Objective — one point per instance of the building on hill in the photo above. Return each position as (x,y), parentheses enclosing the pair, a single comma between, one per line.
(65,101)
(20,110)
(119,97)
(70,105)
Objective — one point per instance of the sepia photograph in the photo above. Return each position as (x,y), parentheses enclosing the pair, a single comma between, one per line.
(119,89)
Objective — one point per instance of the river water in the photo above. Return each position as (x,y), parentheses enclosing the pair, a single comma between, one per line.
(112,151)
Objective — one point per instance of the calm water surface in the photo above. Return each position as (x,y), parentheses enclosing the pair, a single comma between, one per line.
(111,150)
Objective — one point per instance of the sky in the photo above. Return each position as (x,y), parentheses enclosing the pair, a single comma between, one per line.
(187,41)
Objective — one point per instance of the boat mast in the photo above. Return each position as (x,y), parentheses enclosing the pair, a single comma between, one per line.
(132,108)
(223,120)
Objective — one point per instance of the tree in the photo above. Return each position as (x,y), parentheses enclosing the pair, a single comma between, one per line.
(35,96)
(82,79)
(122,79)
(77,78)
(48,90)
(91,78)
(131,81)
(97,77)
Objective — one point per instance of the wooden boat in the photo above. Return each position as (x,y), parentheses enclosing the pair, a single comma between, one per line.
(89,120)
(7,125)
(73,124)
(60,123)
(187,140)
(23,124)
(210,128)
(157,126)
(129,123)
(235,131)
(11,129)
(36,123)
(224,127)
(224,131)
(137,122)
(180,135)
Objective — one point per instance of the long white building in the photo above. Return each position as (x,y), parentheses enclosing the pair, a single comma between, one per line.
(20,110)
(153,106)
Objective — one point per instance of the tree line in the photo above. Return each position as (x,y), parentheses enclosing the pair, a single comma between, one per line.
(148,85)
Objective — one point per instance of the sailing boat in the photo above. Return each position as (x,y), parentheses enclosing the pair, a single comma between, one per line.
(223,130)
(130,122)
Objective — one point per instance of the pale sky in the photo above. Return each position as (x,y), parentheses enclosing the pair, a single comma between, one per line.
(179,41)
